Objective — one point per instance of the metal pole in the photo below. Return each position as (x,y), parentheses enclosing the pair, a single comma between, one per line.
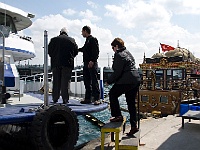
(138,106)
(108,60)
(75,93)
(2,60)
(3,90)
(46,87)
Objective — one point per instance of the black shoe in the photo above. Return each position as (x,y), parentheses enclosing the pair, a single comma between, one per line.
(85,102)
(55,101)
(65,101)
(132,131)
(117,119)
(97,102)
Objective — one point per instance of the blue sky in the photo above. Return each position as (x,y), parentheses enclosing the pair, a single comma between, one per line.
(142,24)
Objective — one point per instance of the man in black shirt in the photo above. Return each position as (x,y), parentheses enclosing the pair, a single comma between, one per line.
(90,74)
(62,50)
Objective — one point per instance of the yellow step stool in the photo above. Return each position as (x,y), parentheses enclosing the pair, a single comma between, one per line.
(113,127)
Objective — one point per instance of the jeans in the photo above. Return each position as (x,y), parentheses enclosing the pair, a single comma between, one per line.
(130,92)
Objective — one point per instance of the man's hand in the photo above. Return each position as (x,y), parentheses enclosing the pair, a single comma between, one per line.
(90,64)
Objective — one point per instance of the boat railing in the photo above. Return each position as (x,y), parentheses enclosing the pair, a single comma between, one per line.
(24,37)
(33,83)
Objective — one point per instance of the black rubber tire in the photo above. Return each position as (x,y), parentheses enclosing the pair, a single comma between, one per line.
(15,136)
(55,128)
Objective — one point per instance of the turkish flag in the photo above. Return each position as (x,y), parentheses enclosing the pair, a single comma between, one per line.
(166,47)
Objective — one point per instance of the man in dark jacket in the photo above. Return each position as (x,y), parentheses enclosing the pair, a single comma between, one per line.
(90,75)
(126,81)
(62,50)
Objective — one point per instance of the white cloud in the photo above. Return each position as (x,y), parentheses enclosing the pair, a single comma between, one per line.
(92,4)
(190,7)
(88,14)
(132,14)
(181,6)
(69,12)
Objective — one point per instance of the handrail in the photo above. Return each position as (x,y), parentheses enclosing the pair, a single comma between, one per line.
(40,78)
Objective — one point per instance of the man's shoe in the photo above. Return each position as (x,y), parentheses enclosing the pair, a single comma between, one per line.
(85,101)
(65,101)
(132,131)
(117,119)
(55,101)
(97,102)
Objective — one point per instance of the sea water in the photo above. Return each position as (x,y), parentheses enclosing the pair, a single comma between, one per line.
(88,130)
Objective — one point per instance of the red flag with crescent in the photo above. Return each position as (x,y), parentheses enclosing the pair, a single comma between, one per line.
(166,47)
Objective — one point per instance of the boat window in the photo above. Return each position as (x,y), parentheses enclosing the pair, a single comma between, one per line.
(8,22)
(148,73)
(163,99)
(144,98)
(159,78)
(6,59)
(177,74)
(169,72)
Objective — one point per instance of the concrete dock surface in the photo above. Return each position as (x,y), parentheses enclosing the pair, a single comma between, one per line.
(164,133)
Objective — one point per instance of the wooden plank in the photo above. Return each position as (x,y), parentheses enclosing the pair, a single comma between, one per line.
(113,126)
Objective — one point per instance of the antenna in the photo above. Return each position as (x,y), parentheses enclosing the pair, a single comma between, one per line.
(144,59)
(178,44)
(108,60)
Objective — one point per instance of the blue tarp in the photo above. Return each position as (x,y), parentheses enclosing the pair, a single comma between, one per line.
(9,76)
(14,114)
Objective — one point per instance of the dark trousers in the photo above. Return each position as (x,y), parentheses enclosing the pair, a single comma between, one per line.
(130,92)
(90,78)
(61,81)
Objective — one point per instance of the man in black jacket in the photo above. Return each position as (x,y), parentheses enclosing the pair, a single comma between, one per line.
(62,50)
(90,75)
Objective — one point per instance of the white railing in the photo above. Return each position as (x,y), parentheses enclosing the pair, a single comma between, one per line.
(35,82)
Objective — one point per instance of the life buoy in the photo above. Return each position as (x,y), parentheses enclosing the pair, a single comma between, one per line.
(55,128)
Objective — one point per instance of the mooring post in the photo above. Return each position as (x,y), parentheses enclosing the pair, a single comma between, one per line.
(101,84)
(46,85)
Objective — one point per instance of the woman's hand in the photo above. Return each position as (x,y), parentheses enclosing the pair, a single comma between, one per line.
(90,64)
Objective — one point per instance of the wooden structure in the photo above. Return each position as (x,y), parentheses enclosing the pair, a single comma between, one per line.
(113,128)
(121,142)
(167,80)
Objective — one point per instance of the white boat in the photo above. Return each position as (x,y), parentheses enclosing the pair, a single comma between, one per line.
(17,47)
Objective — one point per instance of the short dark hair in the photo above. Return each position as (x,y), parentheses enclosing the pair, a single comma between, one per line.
(118,41)
(87,29)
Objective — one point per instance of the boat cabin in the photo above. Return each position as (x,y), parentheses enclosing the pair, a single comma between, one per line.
(167,79)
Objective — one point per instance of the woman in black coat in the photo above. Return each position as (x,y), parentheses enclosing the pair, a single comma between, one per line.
(126,81)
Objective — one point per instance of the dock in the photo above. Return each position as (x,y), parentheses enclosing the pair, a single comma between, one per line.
(164,133)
